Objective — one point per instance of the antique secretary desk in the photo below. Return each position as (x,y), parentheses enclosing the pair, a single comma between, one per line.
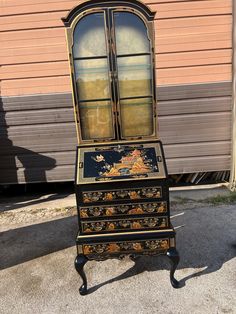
(121,177)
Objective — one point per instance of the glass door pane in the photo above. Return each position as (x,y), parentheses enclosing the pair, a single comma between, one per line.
(131,34)
(92,79)
(89,37)
(136,117)
(96,119)
(91,67)
(134,76)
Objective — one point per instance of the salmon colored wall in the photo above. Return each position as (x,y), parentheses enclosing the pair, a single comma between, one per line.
(193,44)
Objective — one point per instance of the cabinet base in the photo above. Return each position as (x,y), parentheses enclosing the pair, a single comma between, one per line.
(171,253)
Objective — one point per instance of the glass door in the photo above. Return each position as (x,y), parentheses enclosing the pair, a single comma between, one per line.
(93,86)
(113,73)
(134,73)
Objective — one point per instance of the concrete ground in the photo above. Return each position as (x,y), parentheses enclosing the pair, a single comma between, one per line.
(37,254)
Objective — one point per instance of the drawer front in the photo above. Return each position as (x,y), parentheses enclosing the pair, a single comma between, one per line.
(122,195)
(152,246)
(113,225)
(123,209)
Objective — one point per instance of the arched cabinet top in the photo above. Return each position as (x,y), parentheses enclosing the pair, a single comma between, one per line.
(98,4)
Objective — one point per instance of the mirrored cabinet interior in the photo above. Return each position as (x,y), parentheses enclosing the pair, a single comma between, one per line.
(120,171)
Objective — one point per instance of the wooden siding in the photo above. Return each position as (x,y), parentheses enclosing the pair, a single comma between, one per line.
(38,140)
(193,66)
(193,44)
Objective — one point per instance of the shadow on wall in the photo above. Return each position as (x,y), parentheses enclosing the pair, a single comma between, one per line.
(18,164)
(204,245)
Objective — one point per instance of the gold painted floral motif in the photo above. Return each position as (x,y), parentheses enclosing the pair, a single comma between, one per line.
(111,226)
(122,193)
(124,224)
(154,244)
(162,208)
(137,246)
(113,247)
(136,211)
(152,222)
(127,247)
(87,249)
(96,211)
(83,213)
(100,248)
(86,199)
(136,225)
(108,196)
(89,197)
(110,211)
(134,195)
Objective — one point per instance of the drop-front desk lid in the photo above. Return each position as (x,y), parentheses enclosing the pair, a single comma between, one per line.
(114,162)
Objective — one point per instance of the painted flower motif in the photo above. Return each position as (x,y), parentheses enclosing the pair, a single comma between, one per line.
(111,226)
(83,213)
(137,246)
(136,225)
(113,247)
(108,196)
(110,211)
(87,249)
(99,158)
(133,195)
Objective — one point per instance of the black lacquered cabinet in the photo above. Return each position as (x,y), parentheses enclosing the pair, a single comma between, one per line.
(121,177)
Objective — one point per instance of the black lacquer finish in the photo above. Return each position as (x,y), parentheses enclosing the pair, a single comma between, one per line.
(124,218)
(80,261)
(173,255)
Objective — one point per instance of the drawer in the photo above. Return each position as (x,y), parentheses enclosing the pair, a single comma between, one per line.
(122,194)
(152,246)
(114,225)
(123,209)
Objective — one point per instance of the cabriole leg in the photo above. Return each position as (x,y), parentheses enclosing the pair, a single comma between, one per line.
(173,255)
(80,261)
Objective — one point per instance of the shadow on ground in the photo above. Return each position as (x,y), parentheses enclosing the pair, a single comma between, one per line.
(30,200)
(205,243)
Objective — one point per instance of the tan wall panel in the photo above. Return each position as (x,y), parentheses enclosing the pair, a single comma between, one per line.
(182,9)
(35,70)
(36,86)
(26,55)
(14,7)
(212,73)
(29,21)
(194,58)
(9,7)
(193,25)
(192,8)
(33,38)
